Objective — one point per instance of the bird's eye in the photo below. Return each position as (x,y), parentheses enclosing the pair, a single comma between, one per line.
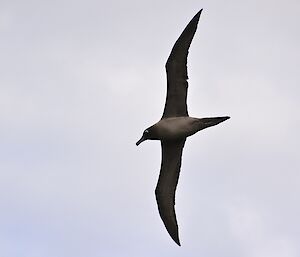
(146,131)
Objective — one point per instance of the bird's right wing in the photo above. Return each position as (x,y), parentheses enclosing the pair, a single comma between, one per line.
(167,183)
(176,68)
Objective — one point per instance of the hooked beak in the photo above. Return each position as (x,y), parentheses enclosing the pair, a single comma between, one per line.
(141,140)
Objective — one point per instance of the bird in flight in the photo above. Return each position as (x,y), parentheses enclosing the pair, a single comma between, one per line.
(174,127)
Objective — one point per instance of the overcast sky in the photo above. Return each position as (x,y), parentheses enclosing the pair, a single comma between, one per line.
(81,80)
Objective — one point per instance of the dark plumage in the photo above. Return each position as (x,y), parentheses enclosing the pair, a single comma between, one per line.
(174,127)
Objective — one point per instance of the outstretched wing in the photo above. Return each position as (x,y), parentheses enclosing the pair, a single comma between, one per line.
(176,68)
(167,182)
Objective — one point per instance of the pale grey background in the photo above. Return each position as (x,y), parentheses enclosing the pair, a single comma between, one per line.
(79,82)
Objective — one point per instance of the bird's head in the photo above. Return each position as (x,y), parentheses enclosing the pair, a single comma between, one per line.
(147,134)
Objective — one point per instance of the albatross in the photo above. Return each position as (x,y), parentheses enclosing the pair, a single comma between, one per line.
(174,127)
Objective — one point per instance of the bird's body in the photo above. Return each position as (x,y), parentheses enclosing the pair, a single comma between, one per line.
(174,127)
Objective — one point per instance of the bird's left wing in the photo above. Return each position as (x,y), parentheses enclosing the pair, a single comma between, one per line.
(167,182)
(177,76)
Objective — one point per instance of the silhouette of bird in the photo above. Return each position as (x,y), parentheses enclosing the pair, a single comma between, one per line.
(174,127)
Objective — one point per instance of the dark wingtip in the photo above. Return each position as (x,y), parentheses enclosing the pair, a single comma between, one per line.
(195,19)
(172,230)
(197,16)
(177,241)
(168,216)
(174,234)
(175,237)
